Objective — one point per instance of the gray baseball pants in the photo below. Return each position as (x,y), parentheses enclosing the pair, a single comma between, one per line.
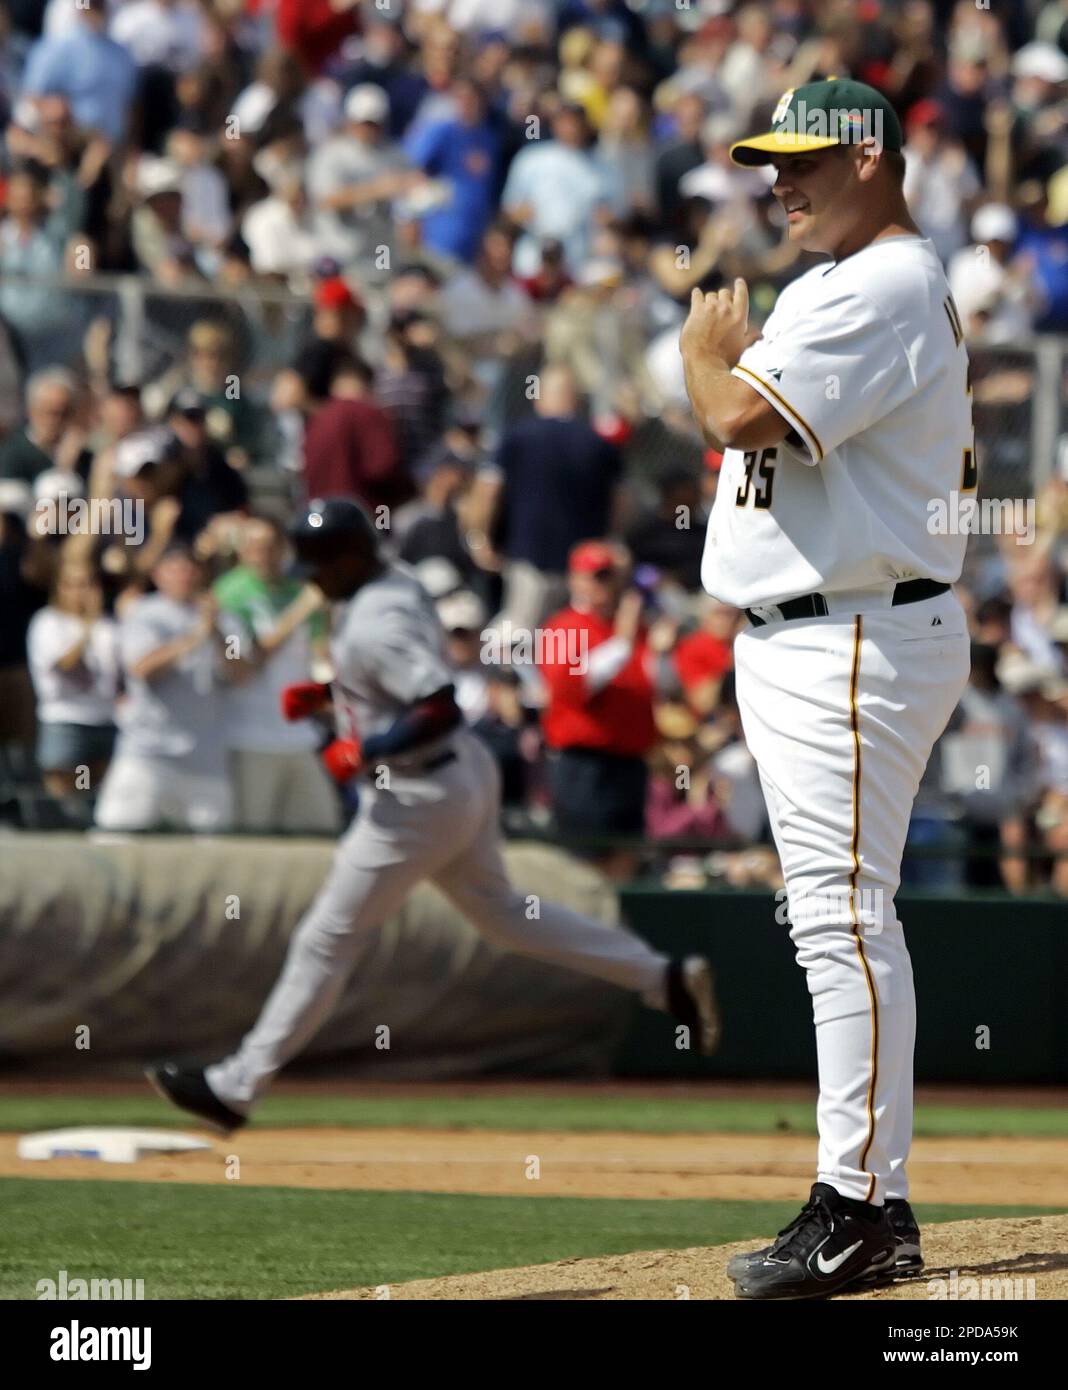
(441,826)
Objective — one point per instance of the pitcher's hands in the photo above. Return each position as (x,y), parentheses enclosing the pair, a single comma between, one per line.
(717,324)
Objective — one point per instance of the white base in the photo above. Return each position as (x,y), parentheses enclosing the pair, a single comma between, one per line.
(111,1145)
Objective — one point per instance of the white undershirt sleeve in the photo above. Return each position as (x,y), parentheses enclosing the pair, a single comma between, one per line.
(605,663)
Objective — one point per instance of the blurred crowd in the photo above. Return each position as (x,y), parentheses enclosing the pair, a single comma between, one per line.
(435,255)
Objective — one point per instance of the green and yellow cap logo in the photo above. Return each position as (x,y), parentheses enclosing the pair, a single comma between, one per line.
(836,111)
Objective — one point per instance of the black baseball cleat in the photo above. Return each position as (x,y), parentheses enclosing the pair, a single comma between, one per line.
(187,1088)
(908,1257)
(738,1264)
(825,1249)
(906,1229)
(691,999)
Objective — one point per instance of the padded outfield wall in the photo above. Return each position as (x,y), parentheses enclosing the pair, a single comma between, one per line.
(146,946)
(991,977)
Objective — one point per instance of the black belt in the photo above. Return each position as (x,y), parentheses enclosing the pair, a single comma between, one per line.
(815,605)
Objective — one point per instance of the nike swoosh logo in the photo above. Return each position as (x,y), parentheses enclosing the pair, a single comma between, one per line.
(829,1266)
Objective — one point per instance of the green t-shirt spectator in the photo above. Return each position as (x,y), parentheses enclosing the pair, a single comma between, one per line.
(259,603)
(253,607)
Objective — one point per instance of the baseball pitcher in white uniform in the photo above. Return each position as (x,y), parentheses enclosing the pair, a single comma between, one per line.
(434,816)
(842,426)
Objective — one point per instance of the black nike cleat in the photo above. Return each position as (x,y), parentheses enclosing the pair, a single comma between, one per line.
(906,1229)
(187,1088)
(827,1247)
(908,1258)
(691,999)
(738,1264)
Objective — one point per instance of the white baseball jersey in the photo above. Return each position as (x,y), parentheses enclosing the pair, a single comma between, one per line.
(865,360)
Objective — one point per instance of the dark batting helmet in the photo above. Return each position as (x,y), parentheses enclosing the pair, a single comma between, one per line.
(331,527)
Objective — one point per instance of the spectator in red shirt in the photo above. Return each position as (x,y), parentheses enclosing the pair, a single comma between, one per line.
(599,674)
(350,444)
(316,29)
(703,657)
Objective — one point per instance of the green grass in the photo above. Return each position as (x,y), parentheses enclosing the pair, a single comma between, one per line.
(532,1111)
(270,1242)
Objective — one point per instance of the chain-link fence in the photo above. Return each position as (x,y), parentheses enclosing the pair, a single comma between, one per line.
(1019,391)
(139,330)
(1020,414)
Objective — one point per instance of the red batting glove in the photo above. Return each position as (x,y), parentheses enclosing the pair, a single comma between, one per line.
(303,700)
(342,759)
(613,428)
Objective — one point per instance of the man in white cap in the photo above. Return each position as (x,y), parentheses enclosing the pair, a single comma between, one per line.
(463,616)
(156,227)
(353,176)
(992,298)
(132,481)
(1038,68)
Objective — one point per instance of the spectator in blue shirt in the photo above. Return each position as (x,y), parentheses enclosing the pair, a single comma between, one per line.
(33,243)
(556,482)
(464,151)
(96,75)
(611,20)
(1044,251)
(556,191)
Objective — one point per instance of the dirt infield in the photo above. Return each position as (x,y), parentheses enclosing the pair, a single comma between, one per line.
(982,1171)
(1007,1260)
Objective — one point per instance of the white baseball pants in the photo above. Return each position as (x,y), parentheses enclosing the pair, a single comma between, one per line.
(841,713)
(443,826)
(142,793)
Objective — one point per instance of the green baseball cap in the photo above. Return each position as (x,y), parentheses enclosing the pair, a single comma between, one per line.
(836,111)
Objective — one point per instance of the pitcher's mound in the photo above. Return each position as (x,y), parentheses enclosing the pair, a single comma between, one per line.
(1018,1258)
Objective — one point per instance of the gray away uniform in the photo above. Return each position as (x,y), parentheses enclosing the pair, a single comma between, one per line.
(436,819)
